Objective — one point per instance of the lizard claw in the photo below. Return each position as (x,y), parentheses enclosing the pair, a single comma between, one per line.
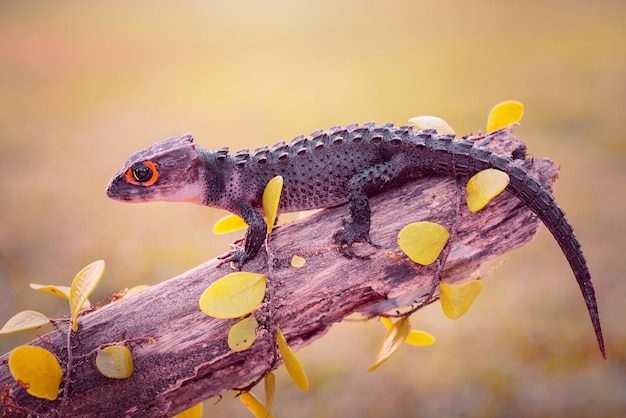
(237,257)
(350,234)
(349,253)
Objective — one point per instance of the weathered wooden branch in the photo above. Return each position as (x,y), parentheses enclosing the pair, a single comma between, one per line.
(190,360)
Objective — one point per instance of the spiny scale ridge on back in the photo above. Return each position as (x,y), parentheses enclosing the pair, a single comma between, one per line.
(326,158)
(332,167)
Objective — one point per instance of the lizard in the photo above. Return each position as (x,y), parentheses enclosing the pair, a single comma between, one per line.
(333,167)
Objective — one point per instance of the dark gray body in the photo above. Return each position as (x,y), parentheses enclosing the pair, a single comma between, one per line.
(341,165)
(320,169)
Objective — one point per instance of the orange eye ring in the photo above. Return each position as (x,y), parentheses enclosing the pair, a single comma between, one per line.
(142,174)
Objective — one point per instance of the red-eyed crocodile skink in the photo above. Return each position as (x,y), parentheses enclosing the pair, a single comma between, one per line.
(329,168)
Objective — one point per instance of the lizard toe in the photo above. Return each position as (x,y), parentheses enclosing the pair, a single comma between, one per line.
(348,236)
(237,257)
(348,252)
(368,239)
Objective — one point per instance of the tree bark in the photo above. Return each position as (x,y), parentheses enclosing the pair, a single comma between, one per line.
(190,359)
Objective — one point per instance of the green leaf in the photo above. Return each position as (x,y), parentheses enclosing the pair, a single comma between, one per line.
(416,337)
(115,362)
(392,342)
(270,390)
(243,334)
(23,321)
(193,412)
(484,186)
(234,295)
(37,370)
(432,122)
(457,298)
(82,286)
(504,114)
(292,364)
(229,223)
(422,242)
(271,199)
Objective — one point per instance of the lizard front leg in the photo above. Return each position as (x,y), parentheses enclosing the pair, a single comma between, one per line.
(374,178)
(255,236)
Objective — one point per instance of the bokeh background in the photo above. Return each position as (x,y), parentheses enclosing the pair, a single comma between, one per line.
(84,84)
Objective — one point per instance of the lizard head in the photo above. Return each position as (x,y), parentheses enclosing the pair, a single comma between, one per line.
(169,170)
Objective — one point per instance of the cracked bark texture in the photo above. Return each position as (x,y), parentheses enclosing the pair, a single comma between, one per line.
(190,360)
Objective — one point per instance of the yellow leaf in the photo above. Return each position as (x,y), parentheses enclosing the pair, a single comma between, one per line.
(254,405)
(193,412)
(394,338)
(388,323)
(432,122)
(37,370)
(25,320)
(271,199)
(234,295)
(136,289)
(504,114)
(115,362)
(457,298)
(83,284)
(419,338)
(292,364)
(57,290)
(270,389)
(229,223)
(423,241)
(415,337)
(297,261)
(242,334)
(60,291)
(484,186)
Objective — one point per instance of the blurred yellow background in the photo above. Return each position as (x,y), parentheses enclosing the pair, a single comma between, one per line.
(85,84)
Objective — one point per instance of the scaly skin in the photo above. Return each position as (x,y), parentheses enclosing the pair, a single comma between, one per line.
(329,168)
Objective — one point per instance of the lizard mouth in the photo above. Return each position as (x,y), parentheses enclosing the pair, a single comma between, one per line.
(119,189)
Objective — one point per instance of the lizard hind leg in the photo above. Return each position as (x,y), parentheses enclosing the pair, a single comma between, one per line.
(352,233)
(372,179)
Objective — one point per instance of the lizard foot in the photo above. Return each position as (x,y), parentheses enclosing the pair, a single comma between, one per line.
(350,234)
(237,257)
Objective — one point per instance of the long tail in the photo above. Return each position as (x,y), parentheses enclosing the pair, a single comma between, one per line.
(542,203)
(466,158)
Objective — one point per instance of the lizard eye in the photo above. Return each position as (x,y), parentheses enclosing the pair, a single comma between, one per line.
(142,174)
